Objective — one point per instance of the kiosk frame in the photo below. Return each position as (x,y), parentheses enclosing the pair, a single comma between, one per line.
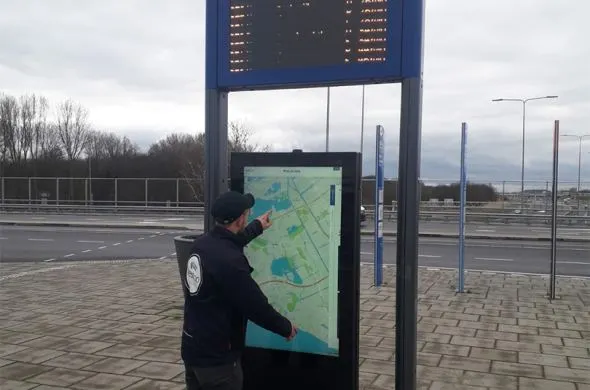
(289,370)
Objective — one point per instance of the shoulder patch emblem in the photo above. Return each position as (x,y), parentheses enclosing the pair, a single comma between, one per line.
(194,274)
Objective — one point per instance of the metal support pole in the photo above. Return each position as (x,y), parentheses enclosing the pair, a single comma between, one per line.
(146,192)
(215,150)
(522,166)
(328,121)
(57,191)
(362,123)
(116,191)
(462,203)
(554,211)
(216,106)
(407,235)
(177,192)
(30,190)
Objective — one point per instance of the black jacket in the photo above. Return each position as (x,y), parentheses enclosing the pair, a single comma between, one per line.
(222,297)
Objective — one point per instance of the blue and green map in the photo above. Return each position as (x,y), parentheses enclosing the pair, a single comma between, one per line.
(295,261)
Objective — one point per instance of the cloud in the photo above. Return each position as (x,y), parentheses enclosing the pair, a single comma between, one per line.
(138,66)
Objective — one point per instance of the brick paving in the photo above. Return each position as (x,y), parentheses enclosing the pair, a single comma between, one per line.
(116,325)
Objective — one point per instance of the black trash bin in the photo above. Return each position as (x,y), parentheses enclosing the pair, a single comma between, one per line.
(183,245)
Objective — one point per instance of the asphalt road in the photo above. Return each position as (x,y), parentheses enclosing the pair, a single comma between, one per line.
(48,244)
(196,222)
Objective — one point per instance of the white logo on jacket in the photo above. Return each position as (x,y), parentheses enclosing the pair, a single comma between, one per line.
(194,274)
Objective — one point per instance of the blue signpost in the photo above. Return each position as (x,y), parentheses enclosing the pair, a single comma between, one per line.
(379,184)
(462,205)
(250,47)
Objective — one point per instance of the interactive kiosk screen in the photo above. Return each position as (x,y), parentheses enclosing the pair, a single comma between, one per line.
(307,264)
(296,260)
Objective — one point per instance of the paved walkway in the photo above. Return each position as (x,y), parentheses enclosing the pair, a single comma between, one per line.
(116,325)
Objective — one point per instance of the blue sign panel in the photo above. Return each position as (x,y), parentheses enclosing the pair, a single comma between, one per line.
(379,185)
(271,44)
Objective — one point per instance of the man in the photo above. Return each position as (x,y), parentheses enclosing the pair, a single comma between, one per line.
(222,297)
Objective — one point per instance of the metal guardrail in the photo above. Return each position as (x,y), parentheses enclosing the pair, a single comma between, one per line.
(449,215)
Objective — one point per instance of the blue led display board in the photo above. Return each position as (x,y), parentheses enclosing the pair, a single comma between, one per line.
(277,44)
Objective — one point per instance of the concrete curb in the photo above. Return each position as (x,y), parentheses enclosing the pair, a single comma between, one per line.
(363,232)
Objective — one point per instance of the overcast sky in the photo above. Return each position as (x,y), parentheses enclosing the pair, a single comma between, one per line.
(138,66)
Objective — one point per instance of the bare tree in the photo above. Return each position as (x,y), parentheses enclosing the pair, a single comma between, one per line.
(14,145)
(72,128)
(50,145)
(34,114)
(240,139)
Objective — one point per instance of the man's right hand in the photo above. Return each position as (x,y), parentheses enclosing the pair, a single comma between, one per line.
(293,332)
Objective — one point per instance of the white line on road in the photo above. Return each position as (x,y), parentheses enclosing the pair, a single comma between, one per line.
(101,247)
(140,238)
(163,257)
(41,239)
(152,236)
(90,242)
(70,255)
(48,260)
(87,250)
(491,259)
(128,241)
(430,256)
(573,262)
(116,243)
(173,254)
(486,230)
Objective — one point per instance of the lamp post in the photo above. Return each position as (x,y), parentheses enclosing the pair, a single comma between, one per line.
(524,102)
(580,139)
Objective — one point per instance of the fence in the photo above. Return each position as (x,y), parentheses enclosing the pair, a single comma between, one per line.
(181,192)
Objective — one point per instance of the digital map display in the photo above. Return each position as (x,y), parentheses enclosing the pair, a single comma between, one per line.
(295,261)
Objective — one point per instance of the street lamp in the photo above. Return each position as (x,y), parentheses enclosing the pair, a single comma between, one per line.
(580,139)
(524,102)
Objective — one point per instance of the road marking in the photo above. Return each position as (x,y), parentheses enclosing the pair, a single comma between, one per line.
(87,250)
(432,269)
(48,260)
(3,238)
(38,218)
(430,256)
(128,241)
(163,257)
(101,247)
(173,254)
(70,255)
(90,242)
(491,259)
(140,238)
(573,262)
(41,239)
(152,236)
(94,219)
(486,230)
(116,243)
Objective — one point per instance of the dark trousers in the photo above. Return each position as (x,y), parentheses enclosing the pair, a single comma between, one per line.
(227,377)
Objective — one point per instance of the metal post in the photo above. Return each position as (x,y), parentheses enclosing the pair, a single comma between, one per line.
(554,211)
(216,106)
(362,123)
(328,121)
(177,192)
(146,192)
(30,192)
(85,192)
(3,195)
(57,191)
(116,192)
(407,235)
(462,203)
(379,184)
(522,166)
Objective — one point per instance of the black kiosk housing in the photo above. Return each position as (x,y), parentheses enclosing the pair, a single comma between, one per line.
(290,370)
